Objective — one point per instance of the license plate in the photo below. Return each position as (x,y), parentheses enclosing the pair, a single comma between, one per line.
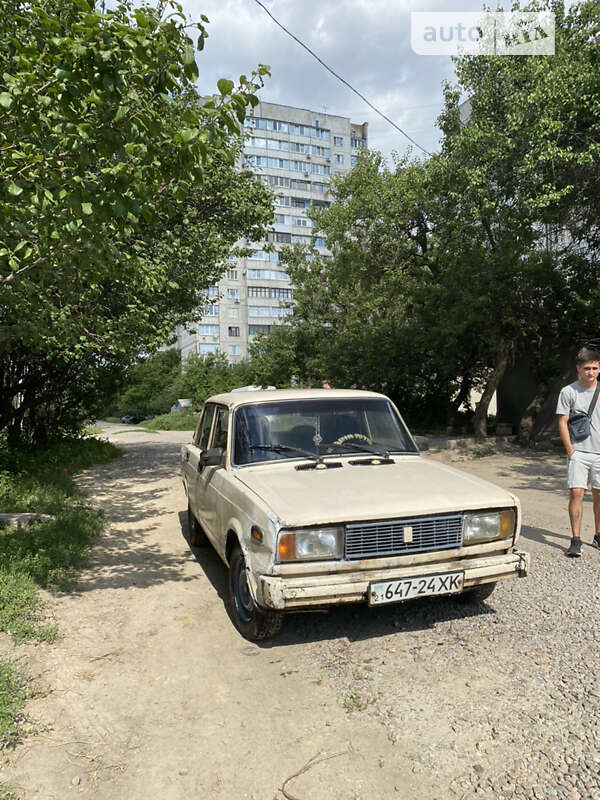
(405,588)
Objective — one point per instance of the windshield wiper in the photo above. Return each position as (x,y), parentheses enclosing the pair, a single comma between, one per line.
(284,448)
(361,448)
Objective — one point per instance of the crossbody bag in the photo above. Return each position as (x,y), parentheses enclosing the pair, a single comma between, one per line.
(580,422)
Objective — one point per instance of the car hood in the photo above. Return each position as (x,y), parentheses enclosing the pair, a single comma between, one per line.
(412,486)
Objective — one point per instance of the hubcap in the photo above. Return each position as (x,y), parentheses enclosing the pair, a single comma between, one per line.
(243,600)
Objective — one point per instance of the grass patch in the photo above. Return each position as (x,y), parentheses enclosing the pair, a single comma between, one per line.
(92,430)
(45,554)
(13,695)
(41,555)
(179,421)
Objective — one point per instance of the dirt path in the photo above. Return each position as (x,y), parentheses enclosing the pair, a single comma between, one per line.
(152,693)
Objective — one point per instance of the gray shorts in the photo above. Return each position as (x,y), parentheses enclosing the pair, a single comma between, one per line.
(584,467)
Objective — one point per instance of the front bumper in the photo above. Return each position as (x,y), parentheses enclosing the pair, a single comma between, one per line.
(304,591)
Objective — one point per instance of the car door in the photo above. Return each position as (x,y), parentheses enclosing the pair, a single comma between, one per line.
(191,463)
(206,493)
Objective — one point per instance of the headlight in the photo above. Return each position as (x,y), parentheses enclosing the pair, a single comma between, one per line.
(488,525)
(309,544)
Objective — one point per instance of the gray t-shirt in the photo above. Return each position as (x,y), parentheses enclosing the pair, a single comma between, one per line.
(575,398)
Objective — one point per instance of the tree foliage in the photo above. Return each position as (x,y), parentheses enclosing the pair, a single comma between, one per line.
(120,199)
(446,271)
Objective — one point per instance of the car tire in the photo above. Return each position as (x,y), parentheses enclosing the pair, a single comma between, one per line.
(197,537)
(478,593)
(252,622)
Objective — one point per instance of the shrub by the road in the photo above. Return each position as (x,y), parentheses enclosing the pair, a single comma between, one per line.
(178,421)
(41,555)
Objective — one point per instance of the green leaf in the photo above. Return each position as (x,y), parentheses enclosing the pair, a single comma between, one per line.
(6,99)
(14,189)
(225,86)
(122,112)
(189,134)
(87,208)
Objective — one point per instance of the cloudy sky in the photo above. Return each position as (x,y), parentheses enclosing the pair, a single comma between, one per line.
(367,42)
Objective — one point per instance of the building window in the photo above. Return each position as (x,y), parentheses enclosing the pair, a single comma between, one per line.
(339,158)
(232,313)
(213,291)
(233,349)
(210,311)
(353,160)
(270,291)
(304,186)
(338,141)
(267,275)
(232,274)
(268,311)
(256,330)
(233,331)
(262,255)
(208,330)
(205,349)
(233,294)
(355,141)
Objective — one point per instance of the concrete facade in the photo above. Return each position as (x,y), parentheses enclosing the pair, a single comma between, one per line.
(297,151)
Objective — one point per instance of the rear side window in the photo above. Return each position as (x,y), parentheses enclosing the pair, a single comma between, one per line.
(203,432)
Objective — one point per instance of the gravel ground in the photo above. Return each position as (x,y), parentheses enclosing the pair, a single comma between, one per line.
(528,724)
(498,699)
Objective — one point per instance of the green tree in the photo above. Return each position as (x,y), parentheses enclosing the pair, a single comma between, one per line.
(119,199)
(211,374)
(445,272)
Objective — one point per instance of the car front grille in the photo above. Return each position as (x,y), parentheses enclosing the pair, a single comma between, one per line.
(398,536)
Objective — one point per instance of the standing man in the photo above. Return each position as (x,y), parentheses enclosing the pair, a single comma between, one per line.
(583,455)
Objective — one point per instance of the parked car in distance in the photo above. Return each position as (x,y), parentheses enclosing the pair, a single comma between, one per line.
(320,497)
(132,420)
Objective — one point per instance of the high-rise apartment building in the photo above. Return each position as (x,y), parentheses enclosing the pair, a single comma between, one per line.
(297,151)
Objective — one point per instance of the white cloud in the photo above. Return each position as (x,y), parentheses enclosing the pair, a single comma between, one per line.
(367,42)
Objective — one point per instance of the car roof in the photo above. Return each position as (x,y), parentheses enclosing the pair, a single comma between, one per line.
(233,399)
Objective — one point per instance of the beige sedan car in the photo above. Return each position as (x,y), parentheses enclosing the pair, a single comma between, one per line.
(319,497)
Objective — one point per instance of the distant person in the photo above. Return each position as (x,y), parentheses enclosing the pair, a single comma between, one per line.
(583,453)
(326,384)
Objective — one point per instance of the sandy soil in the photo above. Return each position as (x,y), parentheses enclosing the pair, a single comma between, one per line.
(152,693)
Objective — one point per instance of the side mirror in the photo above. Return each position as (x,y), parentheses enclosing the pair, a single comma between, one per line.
(215,457)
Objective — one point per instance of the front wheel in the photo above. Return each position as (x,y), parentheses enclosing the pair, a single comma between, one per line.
(253,623)
(477,594)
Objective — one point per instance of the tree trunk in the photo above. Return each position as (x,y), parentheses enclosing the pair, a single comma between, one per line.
(454,405)
(481,410)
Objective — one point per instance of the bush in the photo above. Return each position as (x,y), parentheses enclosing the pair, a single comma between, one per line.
(45,554)
(178,421)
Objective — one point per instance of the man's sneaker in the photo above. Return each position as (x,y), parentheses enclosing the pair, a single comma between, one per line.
(596,540)
(574,550)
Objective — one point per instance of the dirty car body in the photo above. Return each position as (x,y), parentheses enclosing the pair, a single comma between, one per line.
(320,497)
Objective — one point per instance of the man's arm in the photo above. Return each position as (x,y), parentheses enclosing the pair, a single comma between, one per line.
(563,431)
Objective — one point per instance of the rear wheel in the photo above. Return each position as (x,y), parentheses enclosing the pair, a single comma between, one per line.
(253,623)
(477,594)
(197,537)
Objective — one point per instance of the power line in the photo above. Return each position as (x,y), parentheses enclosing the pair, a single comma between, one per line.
(339,77)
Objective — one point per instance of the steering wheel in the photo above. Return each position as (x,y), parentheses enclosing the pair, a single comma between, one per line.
(349,436)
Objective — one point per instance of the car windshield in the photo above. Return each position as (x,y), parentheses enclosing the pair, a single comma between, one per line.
(318,427)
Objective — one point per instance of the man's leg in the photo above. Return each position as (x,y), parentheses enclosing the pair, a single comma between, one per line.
(575,513)
(596,496)
(576,510)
